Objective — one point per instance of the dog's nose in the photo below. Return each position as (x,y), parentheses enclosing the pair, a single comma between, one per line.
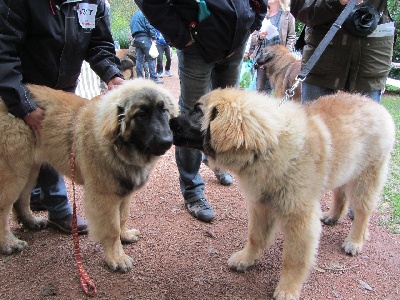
(165,142)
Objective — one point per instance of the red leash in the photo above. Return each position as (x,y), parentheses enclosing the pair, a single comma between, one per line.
(87,284)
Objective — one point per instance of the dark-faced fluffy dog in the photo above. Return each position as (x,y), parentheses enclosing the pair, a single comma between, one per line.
(282,68)
(117,140)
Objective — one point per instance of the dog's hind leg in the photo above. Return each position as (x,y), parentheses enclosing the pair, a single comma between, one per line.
(261,230)
(338,207)
(301,233)
(127,235)
(22,209)
(10,189)
(363,193)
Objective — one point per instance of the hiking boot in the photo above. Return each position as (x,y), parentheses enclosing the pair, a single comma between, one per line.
(65,224)
(223,178)
(36,204)
(158,81)
(200,209)
(159,75)
(168,73)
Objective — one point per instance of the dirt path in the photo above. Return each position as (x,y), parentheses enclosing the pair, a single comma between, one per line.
(179,257)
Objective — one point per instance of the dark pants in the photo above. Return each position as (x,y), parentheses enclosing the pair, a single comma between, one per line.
(161,50)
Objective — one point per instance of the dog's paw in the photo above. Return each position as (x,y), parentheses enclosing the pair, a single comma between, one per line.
(130,236)
(329,220)
(352,248)
(284,295)
(34,223)
(123,264)
(240,261)
(12,246)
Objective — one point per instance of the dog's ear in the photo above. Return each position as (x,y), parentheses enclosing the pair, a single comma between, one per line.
(239,124)
(113,124)
(172,106)
(225,129)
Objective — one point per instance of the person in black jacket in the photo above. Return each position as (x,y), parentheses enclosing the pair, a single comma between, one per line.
(45,42)
(210,38)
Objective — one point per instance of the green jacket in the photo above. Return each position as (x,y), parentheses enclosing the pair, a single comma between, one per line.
(356,64)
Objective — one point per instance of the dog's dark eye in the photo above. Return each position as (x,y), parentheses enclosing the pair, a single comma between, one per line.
(165,110)
(141,114)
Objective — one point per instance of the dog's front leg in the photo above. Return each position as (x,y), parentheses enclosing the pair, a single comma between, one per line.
(127,235)
(103,214)
(261,229)
(301,233)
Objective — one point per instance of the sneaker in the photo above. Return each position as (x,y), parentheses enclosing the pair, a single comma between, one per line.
(36,204)
(168,73)
(158,81)
(200,209)
(223,178)
(65,224)
(159,75)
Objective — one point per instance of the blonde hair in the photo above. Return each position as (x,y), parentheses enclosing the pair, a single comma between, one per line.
(284,4)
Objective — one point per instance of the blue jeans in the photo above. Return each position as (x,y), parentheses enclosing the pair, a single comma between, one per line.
(52,192)
(197,77)
(143,44)
(310,92)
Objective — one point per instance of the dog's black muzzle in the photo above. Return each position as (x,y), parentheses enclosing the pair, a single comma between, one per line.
(186,133)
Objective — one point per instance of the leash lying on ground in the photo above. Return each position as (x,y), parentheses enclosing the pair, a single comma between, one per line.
(320,49)
(87,284)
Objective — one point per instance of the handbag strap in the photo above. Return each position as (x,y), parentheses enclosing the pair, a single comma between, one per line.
(326,40)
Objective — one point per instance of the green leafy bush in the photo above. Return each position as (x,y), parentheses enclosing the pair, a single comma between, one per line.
(121,14)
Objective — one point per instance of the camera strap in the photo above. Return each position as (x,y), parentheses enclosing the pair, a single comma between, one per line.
(326,40)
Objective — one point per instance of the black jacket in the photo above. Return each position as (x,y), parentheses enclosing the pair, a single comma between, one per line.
(42,42)
(218,36)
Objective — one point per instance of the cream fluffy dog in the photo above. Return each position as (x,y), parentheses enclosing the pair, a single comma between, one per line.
(285,158)
(117,142)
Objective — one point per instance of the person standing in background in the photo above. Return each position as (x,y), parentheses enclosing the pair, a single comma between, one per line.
(279,16)
(163,48)
(144,34)
(357,64)
(210,38)
(45,43)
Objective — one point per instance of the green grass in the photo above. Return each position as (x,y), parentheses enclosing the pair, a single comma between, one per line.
(391,193)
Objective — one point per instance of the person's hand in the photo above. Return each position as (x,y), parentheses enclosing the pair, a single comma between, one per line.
(34,120)
(114,82)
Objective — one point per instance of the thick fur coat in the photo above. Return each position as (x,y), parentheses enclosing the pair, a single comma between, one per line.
(285,158)
(116,140)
